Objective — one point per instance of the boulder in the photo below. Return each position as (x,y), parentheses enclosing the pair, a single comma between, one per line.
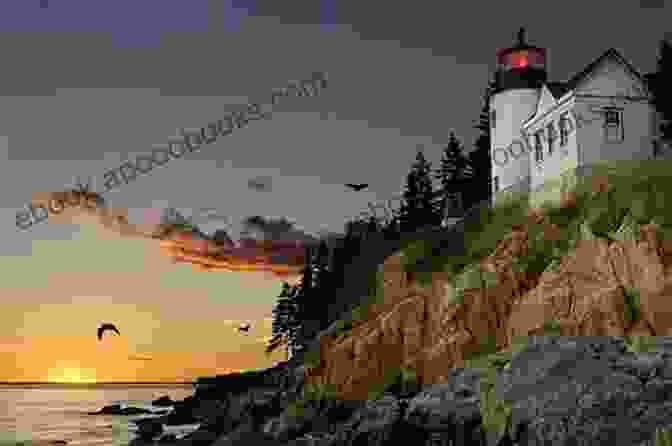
(149,429)
(199,437)
(116,409)
(163,401)
(168,438)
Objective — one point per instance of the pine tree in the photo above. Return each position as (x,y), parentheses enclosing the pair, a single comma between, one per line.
(661,87)
(305,300)
(454,175)
(372,225)
(480,158)
(285,320)
(322,281)
(418,208)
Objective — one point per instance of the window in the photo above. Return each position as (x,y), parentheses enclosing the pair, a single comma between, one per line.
(538,148)
(564,131)
(495,181)
(613,125)
(552,136)
(492,118)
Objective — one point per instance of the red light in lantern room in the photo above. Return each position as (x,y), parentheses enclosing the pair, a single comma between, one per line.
(519,60)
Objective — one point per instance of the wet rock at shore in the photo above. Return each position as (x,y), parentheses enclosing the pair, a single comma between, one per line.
(168,438)
(149,429)
(116,409)
(163,401)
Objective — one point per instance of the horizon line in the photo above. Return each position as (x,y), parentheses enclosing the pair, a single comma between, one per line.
(95,383)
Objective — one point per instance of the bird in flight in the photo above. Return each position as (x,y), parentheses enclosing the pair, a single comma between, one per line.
(139,358)
(105,327)
(244,327)
(357,187)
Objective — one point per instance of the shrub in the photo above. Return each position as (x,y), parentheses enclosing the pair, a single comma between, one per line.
(359,314)
(639,344)
(454,294)
(629,229)
(551,328)
(318,392)
(412,253)
(408,375)
(471,277)
(343,329)
(312,358)
(495,413)
(296,408)
(376,286)
(605,213)
(663,437)
(631,309)
(487,346)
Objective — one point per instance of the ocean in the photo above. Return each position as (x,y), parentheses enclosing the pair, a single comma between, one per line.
(31,412)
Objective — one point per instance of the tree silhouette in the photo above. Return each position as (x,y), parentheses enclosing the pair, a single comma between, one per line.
(418,208)
(306,306)
(285,319)
(454,175)
(480,159)
(661,87)
(323,289)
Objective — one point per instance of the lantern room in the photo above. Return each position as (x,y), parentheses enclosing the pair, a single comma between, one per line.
(521,66)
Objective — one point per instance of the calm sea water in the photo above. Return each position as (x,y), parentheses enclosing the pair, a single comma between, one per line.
(53,412)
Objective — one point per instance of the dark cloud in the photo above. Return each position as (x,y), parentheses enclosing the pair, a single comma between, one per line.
(279,229)
(211,214)
(652,4)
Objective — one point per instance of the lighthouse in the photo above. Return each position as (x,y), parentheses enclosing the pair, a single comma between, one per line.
(521,71)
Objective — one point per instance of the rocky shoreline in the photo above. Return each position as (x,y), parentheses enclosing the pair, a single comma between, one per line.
(558,390)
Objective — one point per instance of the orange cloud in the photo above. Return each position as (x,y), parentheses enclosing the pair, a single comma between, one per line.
(282,259)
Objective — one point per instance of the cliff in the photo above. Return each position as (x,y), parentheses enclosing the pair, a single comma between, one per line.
(563,268)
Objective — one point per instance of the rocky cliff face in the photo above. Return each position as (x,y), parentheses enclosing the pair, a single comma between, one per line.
(422,328)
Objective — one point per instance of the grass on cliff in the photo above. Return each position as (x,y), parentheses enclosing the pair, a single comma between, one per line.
(639,192)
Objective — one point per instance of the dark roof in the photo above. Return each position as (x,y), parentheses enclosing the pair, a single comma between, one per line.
(611,52)
(557,89)
(649,78)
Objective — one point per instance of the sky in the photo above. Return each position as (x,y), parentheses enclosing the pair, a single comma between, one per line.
(89,84)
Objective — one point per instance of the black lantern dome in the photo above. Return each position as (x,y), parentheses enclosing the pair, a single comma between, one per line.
(520,66)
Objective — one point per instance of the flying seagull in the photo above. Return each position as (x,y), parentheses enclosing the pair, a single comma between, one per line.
(105,327)
(139,358)
(244,327)
(357,187)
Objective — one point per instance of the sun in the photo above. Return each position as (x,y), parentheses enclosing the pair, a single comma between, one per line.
(72,375)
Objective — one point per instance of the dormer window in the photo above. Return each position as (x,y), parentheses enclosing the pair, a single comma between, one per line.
(613,125)
(564,130)
(538,147)
(551,136)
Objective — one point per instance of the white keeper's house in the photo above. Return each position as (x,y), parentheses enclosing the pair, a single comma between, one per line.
(542,130)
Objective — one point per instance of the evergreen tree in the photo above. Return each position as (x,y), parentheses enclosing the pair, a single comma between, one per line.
(305,299)
(285,320)
(372,225)
(454,175)
(661,87)
(322,281)
(418,208)
(480,158)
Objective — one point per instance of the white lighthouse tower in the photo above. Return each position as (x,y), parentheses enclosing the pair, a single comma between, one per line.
(521,71)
